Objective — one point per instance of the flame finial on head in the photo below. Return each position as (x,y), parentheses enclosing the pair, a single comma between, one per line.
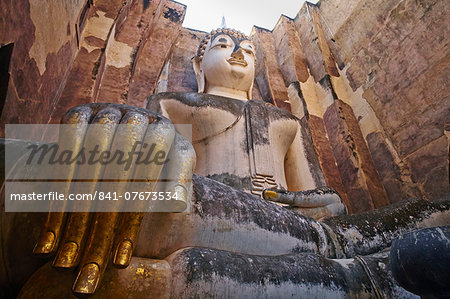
(224,24)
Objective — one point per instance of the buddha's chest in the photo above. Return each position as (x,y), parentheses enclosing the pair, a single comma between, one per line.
(249,152)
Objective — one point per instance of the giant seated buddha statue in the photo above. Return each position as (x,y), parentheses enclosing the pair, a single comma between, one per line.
(262,222)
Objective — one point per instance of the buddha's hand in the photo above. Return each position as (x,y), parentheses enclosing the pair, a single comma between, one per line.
(317,203)
(148,151)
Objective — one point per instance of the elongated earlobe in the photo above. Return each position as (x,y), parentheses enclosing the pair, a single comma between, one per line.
(199,75)
(249,92)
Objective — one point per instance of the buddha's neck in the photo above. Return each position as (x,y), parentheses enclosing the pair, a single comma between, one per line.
(227,92)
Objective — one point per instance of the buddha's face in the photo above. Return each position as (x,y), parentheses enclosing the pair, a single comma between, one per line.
(228,61)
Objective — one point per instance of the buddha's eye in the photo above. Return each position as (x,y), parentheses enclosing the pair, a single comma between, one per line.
(222,42)
(221,45)
(248,48)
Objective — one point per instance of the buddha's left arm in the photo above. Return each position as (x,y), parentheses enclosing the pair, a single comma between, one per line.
(302,168)
(307,193)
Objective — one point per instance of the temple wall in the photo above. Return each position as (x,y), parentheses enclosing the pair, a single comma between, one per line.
(268,73)
(377,71)
(368,78)
(41,57)
(359,178)
(393,60)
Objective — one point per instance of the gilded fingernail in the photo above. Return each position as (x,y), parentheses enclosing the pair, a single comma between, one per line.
(87,279)
(181,193)
(45,244)
(179,199)
(268,194)
(123,254)
(67,256)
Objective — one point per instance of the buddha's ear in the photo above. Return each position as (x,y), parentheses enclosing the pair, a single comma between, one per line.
(199,75)
(249,92)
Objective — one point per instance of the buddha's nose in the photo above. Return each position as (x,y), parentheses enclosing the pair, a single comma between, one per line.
(237,53)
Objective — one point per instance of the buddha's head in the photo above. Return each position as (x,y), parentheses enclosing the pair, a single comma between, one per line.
(225,64)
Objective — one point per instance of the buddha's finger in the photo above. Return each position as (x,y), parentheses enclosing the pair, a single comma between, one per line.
(155,148)
(319,213)
(178,178)
(68,254)
(277,196)
(127,139)
(126,239)
(99,136)
(319,197)
(49,238)
(71,135)
(180,168)
(96,254)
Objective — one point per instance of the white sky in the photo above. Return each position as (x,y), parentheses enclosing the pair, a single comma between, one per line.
(206,15)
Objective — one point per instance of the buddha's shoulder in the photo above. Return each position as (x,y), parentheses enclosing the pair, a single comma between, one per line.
(234,106)
(269,110)
(196,100)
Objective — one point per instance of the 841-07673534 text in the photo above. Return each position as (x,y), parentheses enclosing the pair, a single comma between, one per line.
(97,195)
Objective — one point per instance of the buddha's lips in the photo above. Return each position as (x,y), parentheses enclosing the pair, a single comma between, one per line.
(236,61)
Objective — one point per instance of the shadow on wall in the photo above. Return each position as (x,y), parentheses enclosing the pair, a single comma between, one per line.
(5,58)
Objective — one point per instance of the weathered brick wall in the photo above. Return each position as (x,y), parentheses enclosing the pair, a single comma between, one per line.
(126,60)
(90,62)
(268,73)
(44,47)
(143,50)
(395,53)
(329,101)
(180,74)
